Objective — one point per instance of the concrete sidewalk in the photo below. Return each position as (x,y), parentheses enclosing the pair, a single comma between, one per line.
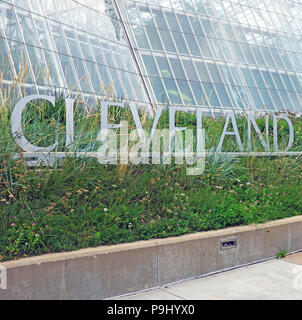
(271,280)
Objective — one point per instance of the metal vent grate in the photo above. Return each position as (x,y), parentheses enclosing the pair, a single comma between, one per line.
(228,244)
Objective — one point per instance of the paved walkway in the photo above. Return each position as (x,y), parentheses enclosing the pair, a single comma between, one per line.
(275,279)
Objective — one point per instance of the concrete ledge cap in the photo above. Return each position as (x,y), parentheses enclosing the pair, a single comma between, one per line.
(105,250)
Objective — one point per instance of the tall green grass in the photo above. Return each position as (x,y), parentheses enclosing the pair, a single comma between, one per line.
(79,203)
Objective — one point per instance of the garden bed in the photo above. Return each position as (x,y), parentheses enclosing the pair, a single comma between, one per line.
(80,203)
(85,204)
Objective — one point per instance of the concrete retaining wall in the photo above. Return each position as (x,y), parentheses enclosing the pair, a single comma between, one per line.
(115,270)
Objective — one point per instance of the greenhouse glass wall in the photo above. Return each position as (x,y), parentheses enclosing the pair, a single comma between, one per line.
(241,55)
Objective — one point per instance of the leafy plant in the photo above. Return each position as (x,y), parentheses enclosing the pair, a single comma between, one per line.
(282,254)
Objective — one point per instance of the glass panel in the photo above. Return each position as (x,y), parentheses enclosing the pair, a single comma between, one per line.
(180,42)
(286,100)
(256,97)
(154,38)
(186,93)
(296,83)
(277,101)
(214,72)
(258,55)
(199,94)
(268,79)
(287,82)
(197,26)
(211,94)
(150,65)
(159,90)
(248,53)
(258,77)
(141,37)
(5,65)
(202,71)
(235,97)
(278,81)
(267,99)
(248,77)
(204,47)
(224,98)
(190,70)
(192,44)
(177,69)
(167,41)
(172,91)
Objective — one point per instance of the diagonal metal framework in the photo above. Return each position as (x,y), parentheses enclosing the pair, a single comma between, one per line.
(215,54)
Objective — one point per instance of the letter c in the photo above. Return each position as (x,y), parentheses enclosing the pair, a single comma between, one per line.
(16,124)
